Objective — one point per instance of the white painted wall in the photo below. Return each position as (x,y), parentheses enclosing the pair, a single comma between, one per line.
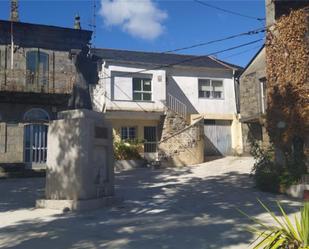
(118,89)
(183,84)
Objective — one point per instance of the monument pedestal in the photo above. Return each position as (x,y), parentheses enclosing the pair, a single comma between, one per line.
(80,165)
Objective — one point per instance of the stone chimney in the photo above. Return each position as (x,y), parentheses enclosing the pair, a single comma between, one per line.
(77,22)
(270,12)
(14,16)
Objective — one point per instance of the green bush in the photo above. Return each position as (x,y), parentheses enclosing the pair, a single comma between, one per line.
(127,150)
(271,177)
(266,174)
(284,234)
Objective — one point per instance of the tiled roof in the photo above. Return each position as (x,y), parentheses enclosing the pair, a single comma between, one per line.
(161,59)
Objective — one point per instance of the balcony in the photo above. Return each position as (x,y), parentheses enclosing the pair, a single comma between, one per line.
(21,81)
(18,87)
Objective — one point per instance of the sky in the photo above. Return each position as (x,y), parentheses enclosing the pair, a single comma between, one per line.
(158,26)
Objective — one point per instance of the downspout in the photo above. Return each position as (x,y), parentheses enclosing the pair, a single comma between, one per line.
(104,86)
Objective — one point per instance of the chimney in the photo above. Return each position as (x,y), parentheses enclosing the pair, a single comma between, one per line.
(77,22)
(14,17)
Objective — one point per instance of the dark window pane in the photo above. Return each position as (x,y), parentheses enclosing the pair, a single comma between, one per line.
(27,155)
(137,84)
(217,95)
(146,96)
(37,67)
(43,68)
(132,133)
(124,133)
(137,96)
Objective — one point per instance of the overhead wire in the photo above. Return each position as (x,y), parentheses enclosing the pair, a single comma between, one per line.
(178,63)
(228,11)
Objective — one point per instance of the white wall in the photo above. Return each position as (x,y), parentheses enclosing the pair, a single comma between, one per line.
(183,84)
(117,84)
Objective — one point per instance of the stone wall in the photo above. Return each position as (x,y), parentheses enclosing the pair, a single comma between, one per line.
(61,71)
(11,143)
(250,94)
(258,132)
(181,144)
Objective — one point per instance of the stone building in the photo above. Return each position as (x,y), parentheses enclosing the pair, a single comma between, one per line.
(253,104)
(36,78)
(287,67)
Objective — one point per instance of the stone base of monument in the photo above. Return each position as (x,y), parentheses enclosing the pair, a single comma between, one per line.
(78,205)
(80,164)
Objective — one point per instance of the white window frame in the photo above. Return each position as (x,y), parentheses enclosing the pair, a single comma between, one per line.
(212,88)
(128,132)
(262,95)
(142,91)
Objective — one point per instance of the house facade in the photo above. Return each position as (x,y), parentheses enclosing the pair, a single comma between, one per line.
(36,79)
(253,102)
(154,97)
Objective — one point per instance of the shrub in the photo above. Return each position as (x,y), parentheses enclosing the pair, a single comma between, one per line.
(283,235)
(127,150)
(266,174)
(271,177)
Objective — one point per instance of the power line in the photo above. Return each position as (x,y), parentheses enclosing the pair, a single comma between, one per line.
(177,63)
(228,11)
(242,52)
(189,59)
(251,32)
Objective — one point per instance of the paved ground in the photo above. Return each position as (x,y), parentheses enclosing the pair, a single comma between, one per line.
(188,208)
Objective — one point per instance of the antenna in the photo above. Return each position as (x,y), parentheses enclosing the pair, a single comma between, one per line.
(93,24)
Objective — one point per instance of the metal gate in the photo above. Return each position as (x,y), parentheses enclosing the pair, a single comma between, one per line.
(150,137)
(35,145)
(218,137)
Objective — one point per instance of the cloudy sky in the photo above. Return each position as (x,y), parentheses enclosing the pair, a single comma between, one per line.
(154,25)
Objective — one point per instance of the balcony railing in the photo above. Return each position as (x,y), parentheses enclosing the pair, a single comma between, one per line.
(19,81)
(176,105)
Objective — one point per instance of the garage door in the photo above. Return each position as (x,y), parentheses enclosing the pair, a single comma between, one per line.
(218,138)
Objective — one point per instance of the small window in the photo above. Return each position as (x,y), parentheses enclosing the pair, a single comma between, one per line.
(128,133)
(142,89)
(263,93)
(36,115)
(211,89)
(37,67)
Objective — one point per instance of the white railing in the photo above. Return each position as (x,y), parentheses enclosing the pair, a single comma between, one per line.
(176,105)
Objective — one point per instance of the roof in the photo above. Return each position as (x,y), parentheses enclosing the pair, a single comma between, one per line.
(161,59)
(43,36)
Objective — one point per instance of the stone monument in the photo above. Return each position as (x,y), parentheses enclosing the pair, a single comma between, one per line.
(80,173)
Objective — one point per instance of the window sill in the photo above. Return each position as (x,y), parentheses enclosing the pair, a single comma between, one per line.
(142,101)
(204,98)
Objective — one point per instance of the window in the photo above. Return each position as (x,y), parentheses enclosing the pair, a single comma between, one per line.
(37,67)
(36,115)
(141,89)
(128,133)
(263,95)
(211,89)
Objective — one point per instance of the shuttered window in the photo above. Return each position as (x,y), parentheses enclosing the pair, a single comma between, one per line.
(37,67)
(210,89)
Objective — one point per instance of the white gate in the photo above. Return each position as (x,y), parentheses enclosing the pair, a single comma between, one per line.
(218,137)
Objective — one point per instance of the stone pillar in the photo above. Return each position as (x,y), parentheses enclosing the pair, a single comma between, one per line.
(80,173)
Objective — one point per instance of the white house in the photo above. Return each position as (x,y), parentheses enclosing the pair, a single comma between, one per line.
(137,88)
